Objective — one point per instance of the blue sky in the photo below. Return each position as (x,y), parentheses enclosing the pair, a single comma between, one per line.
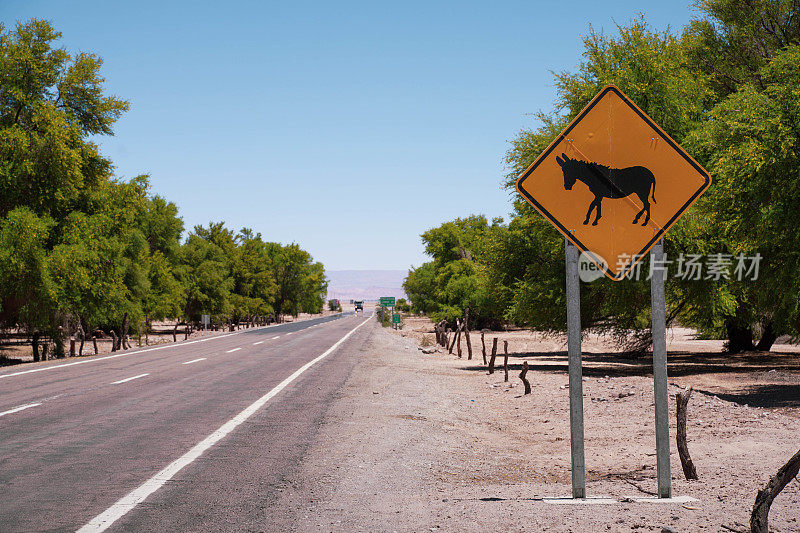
(347,127)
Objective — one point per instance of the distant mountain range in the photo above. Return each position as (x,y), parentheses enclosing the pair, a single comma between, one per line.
(365,284)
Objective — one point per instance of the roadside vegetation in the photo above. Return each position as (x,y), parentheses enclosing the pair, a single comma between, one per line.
(81,247)
(726,89)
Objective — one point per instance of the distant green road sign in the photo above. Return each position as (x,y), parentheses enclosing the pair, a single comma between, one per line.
(387,301)
(396,318)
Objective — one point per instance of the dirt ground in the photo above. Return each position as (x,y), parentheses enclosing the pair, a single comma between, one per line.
(769,380)
(430,442)
(20,351)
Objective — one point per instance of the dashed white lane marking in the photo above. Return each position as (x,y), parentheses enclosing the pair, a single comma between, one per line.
(20,408)
(194,361)
(276,337)
(257,343)
(234,350)
(104,520)
(129,379)
(290,332)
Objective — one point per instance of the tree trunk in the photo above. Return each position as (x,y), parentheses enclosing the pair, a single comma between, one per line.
(458,339)
(175,331)
(455,336)
(72,346)
(58,343)
(483,344)
(682,400)
(494,354)
(740,339)
(767,339)
(123,331)
(466,334)
(35,346)
(523,378)
(113,340)
(505,359)
(94,342)
(82,336)
(759,517)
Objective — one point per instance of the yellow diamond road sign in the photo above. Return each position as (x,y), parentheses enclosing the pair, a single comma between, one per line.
(613,182)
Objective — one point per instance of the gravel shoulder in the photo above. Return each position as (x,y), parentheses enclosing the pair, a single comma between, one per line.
(428,442)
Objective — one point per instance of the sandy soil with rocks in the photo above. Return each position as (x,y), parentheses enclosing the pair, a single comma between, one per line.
(430,442)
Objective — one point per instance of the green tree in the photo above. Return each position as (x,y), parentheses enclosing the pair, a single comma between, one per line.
(254,280)
(457,277)
(291,268)
(750,143)
(736,39)
(527,266)
(50,103)
(27,293)
(205,272)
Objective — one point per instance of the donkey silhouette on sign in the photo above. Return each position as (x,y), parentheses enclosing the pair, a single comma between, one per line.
(605,182)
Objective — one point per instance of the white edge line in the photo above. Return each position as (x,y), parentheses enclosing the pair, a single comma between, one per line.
(234,350)
(20,408)
(172,345)
(129,379)
(194,361)
(104,520)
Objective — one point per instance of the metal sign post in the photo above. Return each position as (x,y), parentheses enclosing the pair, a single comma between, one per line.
(661,400)
(575,372)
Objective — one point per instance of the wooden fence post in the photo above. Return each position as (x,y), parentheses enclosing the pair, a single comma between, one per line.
(505,359)
(466,334)
(524,379)
(494,354)
(682,400)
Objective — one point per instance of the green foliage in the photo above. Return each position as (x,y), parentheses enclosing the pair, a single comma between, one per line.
(457,277)
(27,295)
(737,38)
(50,103)
(402,306)
(301,283)
(528,264)
(750,143)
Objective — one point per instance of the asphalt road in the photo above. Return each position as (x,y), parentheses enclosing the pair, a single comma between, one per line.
(77,439)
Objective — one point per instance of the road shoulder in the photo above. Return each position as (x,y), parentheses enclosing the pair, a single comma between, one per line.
(418,442)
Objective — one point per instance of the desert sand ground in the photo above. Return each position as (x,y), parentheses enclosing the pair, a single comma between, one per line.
(430,442)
